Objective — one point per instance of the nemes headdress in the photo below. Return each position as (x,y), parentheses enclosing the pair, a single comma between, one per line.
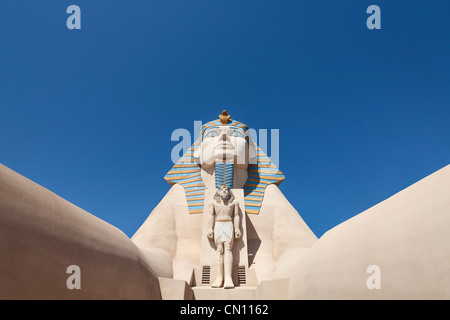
(261,172)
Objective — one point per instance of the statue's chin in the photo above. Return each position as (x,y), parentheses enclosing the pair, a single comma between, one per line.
(224,155)
(209,160)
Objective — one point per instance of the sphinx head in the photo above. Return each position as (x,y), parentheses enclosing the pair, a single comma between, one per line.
(225,151)
(223,140)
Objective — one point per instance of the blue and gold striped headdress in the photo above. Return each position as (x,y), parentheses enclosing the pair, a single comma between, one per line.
(261,172)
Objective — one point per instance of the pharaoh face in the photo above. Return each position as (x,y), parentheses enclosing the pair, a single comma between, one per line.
(223,143)
(224,193)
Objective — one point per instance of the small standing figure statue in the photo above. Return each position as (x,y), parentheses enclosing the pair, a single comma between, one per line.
(223,224)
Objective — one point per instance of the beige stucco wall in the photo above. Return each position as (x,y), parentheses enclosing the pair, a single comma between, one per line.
(407,236)
(41,234)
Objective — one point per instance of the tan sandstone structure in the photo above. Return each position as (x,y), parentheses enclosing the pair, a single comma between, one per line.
(225,230)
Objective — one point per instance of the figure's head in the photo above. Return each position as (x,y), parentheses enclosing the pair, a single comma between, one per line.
(224,193)
(223,140)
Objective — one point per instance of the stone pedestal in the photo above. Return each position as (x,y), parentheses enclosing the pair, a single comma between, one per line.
(266,290)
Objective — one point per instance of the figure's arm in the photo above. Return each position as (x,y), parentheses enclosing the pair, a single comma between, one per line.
(210,212)
(237,220)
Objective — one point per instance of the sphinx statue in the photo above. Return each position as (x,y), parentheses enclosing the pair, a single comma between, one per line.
(272,230)
(224,230)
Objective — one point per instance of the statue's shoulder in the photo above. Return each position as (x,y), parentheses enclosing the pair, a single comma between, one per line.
(176,189)
(235,202)
(175,194)
(273,189)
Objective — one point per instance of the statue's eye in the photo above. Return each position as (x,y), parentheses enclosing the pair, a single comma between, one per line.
(211,133)
(237,133)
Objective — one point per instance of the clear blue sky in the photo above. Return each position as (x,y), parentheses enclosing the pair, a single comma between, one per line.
(89,113)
